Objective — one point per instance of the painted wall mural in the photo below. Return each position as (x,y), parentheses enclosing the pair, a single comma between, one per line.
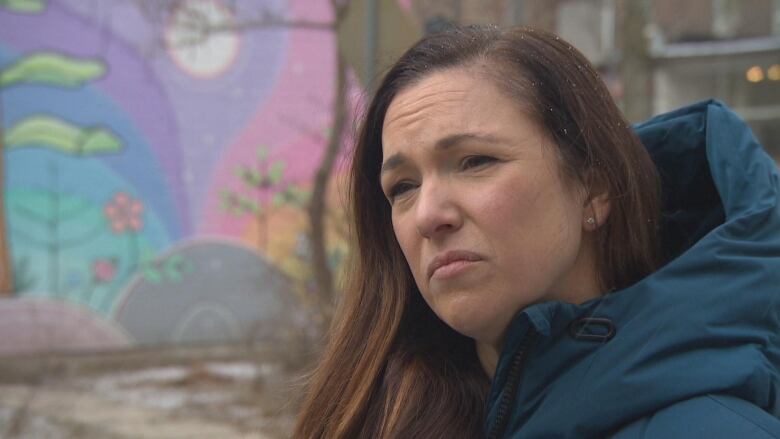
(156,174)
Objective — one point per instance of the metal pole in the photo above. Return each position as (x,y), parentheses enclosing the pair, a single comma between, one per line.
(372,37)
(517,13)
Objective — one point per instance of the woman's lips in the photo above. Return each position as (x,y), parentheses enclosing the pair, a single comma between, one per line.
(452,269)
(451,264)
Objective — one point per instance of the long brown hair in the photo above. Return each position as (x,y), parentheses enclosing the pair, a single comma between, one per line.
(391,367)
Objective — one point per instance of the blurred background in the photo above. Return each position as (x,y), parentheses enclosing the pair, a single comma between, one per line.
(172,227)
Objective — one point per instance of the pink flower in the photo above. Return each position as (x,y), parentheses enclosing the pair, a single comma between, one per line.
(124,213)
(104,270)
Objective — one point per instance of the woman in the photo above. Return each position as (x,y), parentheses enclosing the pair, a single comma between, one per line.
(509,233)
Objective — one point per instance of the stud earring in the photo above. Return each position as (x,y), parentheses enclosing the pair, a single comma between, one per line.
(590,220)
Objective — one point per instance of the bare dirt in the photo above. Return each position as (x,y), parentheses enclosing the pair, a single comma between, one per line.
(148,395)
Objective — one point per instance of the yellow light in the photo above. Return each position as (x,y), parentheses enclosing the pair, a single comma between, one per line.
(773,72)
(754,74)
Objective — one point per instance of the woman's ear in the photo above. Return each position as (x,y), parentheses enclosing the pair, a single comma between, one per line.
(597,203)
(597,209)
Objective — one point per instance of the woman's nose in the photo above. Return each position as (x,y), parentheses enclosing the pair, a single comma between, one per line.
(437,210)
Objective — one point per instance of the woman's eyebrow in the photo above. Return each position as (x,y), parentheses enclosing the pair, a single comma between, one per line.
(392,162)
(451,141)
(456,139)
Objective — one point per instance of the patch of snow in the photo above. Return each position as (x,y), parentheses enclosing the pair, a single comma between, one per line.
(157,375)
(243,371)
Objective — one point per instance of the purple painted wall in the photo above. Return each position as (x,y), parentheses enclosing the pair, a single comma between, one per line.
(208,144)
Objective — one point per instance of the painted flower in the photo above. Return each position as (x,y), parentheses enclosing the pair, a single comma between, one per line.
(124,213)
(104,270)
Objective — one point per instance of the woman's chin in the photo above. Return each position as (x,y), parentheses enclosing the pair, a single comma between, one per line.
(474,321)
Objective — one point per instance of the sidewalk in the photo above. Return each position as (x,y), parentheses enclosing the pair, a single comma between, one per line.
(226,399)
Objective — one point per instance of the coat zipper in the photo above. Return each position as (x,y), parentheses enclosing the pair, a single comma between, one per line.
(510,390)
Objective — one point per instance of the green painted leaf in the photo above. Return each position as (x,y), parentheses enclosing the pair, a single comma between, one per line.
(52,69)
(225,195)
(62,136)
(298,195)
(97,141)
(24,6)
(246,203)
(279,199)
(152,275)
(250,177)
(276,172)
(172,267)
(262,153)
(174,260)
(255,178)
(174,276)
(225,201)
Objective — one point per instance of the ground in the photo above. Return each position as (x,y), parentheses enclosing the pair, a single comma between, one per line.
(228,393)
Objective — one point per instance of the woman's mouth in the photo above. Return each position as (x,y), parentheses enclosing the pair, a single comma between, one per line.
(451,264)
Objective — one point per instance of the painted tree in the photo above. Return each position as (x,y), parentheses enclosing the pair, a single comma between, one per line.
(349,18)
(263,189)
(199,28)
(49,69)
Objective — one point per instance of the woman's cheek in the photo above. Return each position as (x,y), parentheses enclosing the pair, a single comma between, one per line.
(409,241)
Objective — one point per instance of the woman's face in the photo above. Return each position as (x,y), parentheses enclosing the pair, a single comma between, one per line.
(479,207)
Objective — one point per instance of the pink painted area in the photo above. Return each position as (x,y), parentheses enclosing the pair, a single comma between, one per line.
(46,325)
(406,5)
(104,270)
(292,122)
(315,10)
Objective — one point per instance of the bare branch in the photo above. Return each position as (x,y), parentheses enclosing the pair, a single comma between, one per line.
(198,23)
(192,20)
(299,126)
(268,23)
(317,206)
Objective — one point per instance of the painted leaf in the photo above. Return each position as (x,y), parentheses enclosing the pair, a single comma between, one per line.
(172,268)
(298,195)
(276,172)
(62,136)
(225,197)
(24,6)
(152,275)
(98,140)
(255,178)
(250,177)
(187,267)
(262,153)
(279,199)
(52,69)
(174,276)
(251,205)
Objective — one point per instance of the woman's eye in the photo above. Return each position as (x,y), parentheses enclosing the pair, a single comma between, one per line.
(399,189)
(476,161)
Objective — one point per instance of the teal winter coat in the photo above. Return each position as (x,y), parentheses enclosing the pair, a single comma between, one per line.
(692,350)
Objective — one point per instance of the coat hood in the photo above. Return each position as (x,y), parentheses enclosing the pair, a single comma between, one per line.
(706,322)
